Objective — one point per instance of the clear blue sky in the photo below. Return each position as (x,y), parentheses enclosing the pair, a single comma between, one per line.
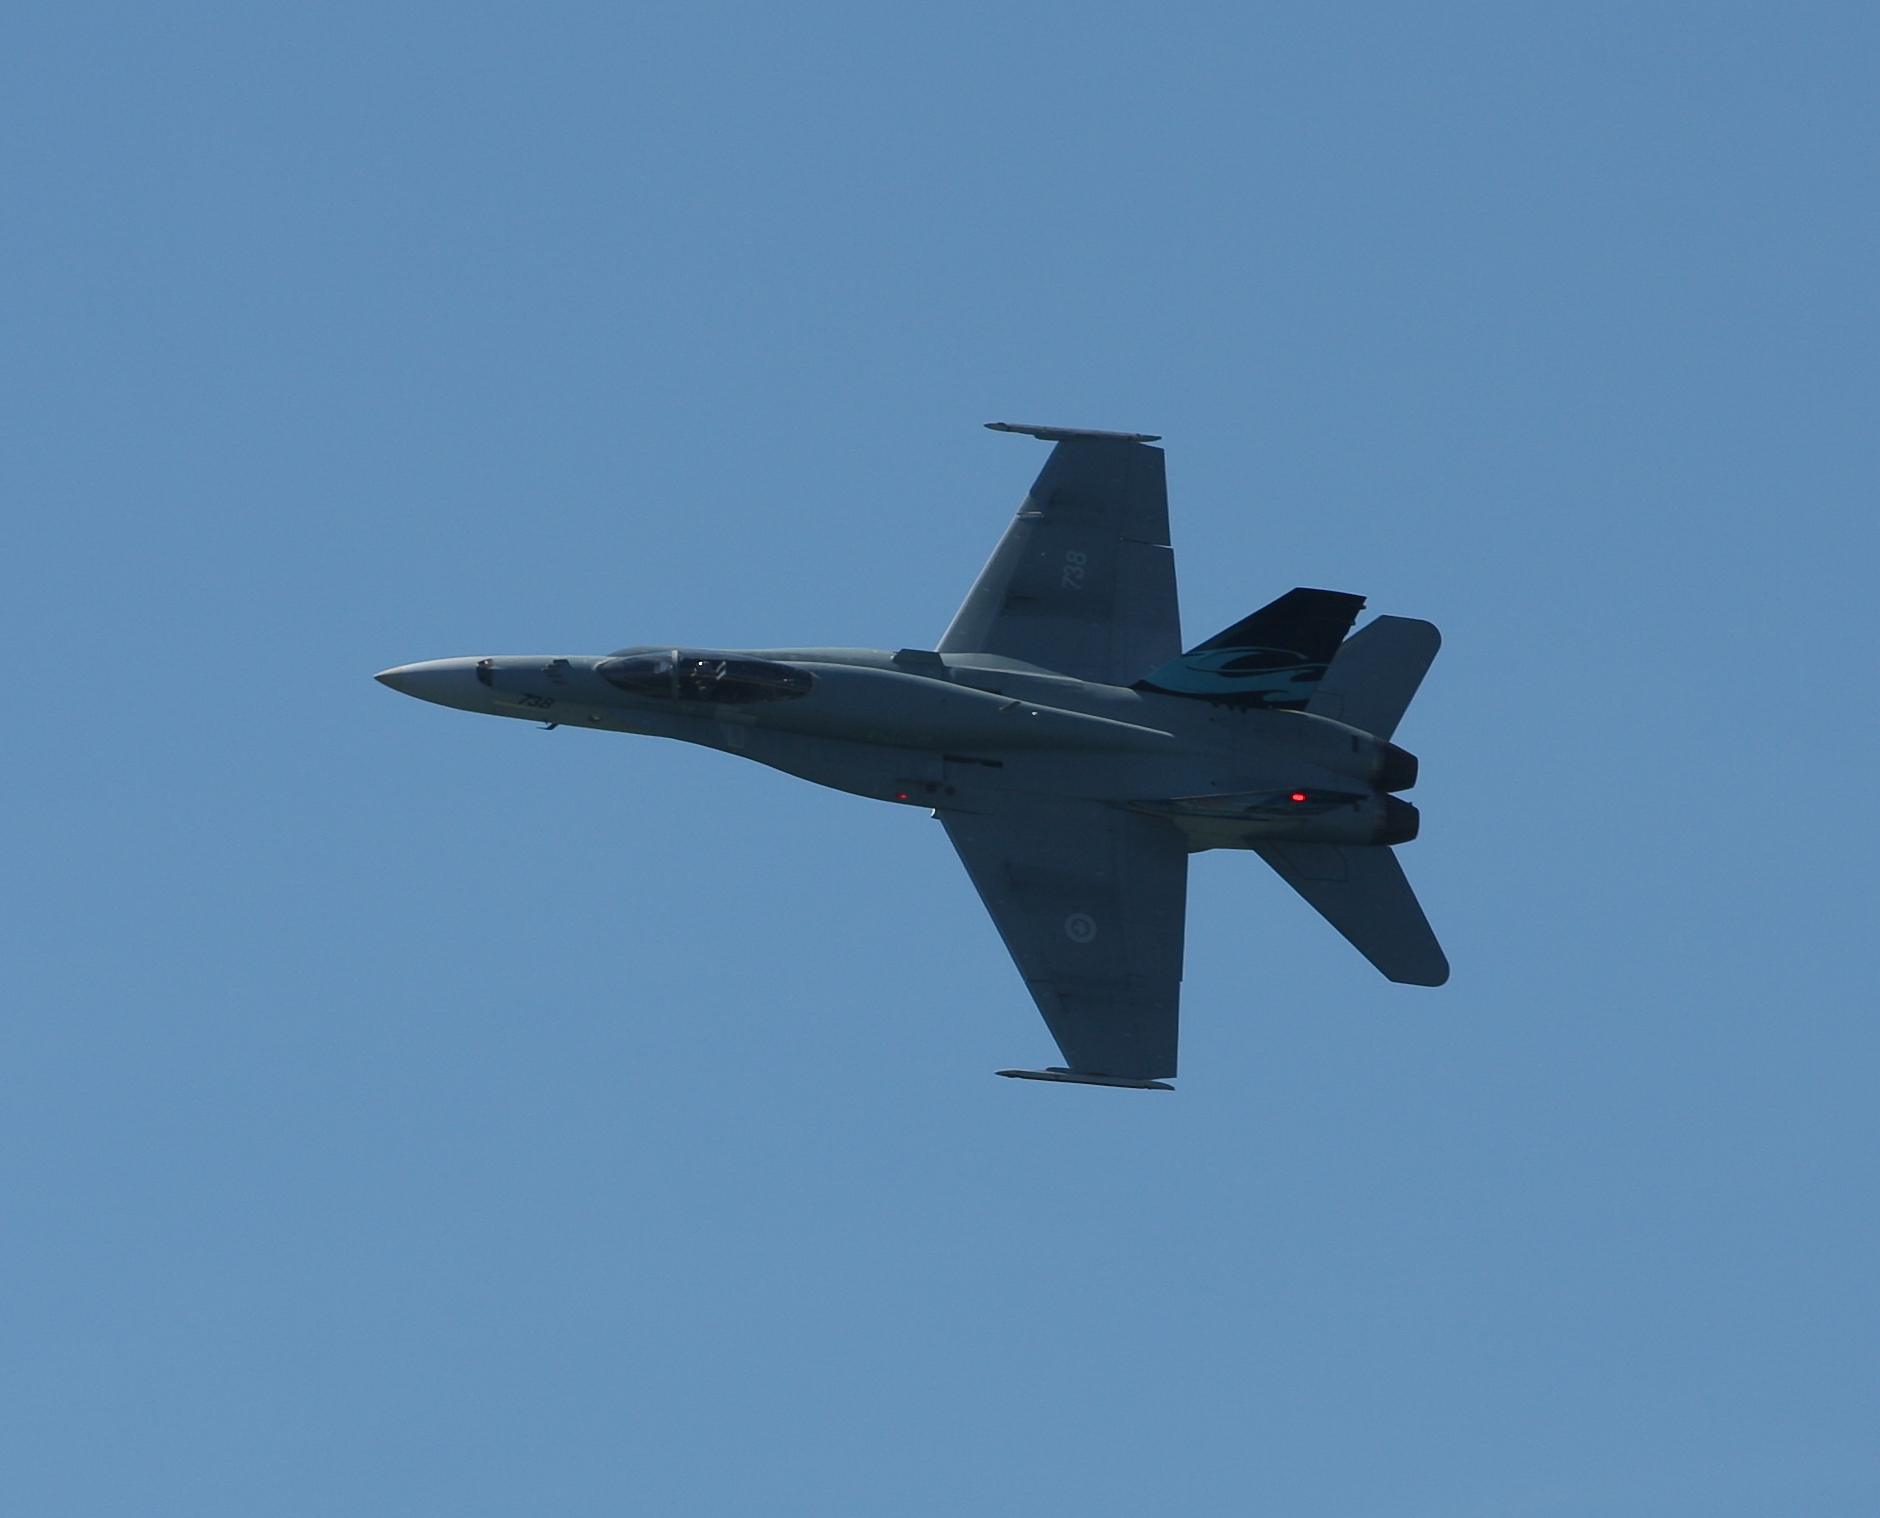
(406,1113)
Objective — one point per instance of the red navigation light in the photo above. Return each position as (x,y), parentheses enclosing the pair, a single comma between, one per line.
(902,796)
(1299,796)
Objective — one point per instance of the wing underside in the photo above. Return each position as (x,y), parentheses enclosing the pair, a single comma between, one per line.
(1083,582)
(1090,900)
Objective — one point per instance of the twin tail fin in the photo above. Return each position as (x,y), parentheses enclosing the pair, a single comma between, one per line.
(1270,661)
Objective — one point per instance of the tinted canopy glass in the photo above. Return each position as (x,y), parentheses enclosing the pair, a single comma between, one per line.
(685,676)
(639,675)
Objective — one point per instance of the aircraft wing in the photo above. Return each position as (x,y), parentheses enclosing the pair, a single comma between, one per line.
(1083,582)
(1091,902)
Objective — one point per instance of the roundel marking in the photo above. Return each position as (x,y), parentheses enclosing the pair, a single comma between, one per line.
(1080,927)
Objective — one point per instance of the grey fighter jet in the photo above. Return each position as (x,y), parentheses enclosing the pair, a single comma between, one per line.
(1074,753)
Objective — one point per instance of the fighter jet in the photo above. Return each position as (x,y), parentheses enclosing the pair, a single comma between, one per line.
(1074,753)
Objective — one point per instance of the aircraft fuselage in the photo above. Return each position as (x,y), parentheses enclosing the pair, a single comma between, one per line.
(953,732)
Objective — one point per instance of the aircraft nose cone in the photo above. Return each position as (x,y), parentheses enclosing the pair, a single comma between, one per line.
(406,679)
(448,682)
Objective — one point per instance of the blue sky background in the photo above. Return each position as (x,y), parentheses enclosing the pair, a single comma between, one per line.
(404,1113)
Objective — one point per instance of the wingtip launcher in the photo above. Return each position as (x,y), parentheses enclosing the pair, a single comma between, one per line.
(1066,434)
(1079,1078)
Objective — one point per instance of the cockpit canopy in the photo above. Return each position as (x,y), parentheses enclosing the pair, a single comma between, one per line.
(677,675)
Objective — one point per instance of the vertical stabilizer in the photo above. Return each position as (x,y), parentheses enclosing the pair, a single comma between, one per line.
(1270,661)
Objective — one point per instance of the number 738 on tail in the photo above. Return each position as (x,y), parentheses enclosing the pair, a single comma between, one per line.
(1074,753)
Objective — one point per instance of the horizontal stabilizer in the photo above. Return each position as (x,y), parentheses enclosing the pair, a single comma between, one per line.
(1371,682)
(1361,891)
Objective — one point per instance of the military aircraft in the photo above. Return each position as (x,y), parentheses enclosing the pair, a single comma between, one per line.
(1074,753)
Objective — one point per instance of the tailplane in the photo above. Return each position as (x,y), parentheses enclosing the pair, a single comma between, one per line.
(1362,893)
(1375,675)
